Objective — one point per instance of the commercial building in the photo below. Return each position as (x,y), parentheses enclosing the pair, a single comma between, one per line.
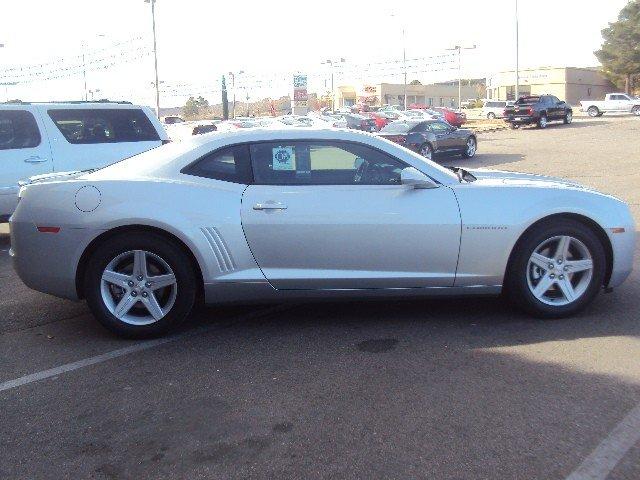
(435,95)
(567,83)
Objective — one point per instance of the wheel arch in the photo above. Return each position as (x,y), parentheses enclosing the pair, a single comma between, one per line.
(138,228)
(586,221)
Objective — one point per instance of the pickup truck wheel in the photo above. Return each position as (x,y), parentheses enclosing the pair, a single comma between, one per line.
(593,111)
(636,110)
(542,122)
(491,115)
(568,117)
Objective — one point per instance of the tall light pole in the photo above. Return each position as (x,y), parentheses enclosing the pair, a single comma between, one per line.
(517,57)
(404,59)
(233,87)
(155,54)
(459,49)
(331,63)
(83,43)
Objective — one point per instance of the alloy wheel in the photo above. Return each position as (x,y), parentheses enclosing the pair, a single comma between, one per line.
(138,287)
(426,151)
(569,117)
(471,147)
(543,121)
(559,270)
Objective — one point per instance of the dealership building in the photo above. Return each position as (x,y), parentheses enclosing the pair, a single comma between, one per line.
(435,95)
(567,83)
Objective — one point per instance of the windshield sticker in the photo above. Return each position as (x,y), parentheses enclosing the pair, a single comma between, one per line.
(283,158)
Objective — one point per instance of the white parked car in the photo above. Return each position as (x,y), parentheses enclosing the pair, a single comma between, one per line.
(266,215)
(612,103)
(494,108)
(41,138)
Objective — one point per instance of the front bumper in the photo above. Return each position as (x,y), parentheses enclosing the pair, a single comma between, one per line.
(623,246)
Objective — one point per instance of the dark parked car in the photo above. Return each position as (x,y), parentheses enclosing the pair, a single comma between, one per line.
(432,137)
(360,122)
(539,110)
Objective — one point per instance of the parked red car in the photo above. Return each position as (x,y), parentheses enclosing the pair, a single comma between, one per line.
(381,118)
(451,116)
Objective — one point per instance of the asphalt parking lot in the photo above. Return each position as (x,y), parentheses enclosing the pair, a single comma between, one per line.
(447,389)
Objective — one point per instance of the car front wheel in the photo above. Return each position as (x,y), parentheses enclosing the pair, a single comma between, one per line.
(556,269)
(470,148)
(426,150)
(593,112)
(140,285)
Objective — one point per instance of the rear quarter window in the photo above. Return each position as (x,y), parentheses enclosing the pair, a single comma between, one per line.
(18,129)
(104,125)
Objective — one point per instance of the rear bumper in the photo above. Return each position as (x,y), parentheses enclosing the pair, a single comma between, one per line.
(47,262)
(520,120)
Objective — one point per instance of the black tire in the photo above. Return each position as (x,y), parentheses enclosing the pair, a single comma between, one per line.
(514,126)
(159,245)
(491,115)
(568,117)
(600,114)
(516,286)
(636,110)
(466,153)
(542,121)
(593,111)
(426,147)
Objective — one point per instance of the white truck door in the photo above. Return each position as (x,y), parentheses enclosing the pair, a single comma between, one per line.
(24,152)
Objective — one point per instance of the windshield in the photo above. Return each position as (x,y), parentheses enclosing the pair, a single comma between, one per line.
(530,99)
(399,127)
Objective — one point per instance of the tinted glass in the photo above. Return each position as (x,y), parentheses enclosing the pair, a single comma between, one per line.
(439,127)
(323,163)
(230,164)
(399,127)
(18,129)
(530,99)
(104,125)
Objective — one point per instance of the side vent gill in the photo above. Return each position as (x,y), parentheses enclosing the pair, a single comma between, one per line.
(219,249)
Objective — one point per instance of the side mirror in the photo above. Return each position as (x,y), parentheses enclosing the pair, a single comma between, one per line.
(413,177)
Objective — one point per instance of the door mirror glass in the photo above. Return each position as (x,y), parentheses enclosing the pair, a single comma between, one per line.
(413,177)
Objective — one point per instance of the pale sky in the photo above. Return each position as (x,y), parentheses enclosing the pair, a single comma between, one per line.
(199,40)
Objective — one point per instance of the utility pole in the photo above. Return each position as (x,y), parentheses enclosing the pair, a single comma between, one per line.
(404,66)
(155,54)
(517,57)
(459,49)
(233,87)
(331,63)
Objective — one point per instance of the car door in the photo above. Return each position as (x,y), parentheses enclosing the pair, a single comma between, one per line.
(446,138)
(334,215)
(24,152)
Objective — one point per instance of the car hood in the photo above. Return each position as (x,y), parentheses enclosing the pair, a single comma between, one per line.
(491,177)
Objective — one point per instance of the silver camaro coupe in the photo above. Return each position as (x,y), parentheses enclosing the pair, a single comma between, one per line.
(268,215)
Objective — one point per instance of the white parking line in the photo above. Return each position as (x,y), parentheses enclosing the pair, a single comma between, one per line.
(611,450)
(137,347)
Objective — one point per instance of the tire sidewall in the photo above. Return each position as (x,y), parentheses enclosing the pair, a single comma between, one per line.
(465,154)
(425,146)
(516,281)
(170,253)
(543,123)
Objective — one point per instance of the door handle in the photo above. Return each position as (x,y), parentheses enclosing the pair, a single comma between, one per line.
(270,206)
(35,159)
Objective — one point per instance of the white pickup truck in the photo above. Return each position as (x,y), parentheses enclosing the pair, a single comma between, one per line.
(612,103)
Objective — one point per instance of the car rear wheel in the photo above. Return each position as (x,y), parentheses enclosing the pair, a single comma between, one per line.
(542,121)
(556,269)
(593,112)
(636,110)
(568,118)
(140,285)
(514,126)
(426,150)
(470,148)
(491,115)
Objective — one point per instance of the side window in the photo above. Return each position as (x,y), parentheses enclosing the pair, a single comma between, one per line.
(554,100)
(230,164)
(440,127)
(323,163)
(18,129)
(104,125)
